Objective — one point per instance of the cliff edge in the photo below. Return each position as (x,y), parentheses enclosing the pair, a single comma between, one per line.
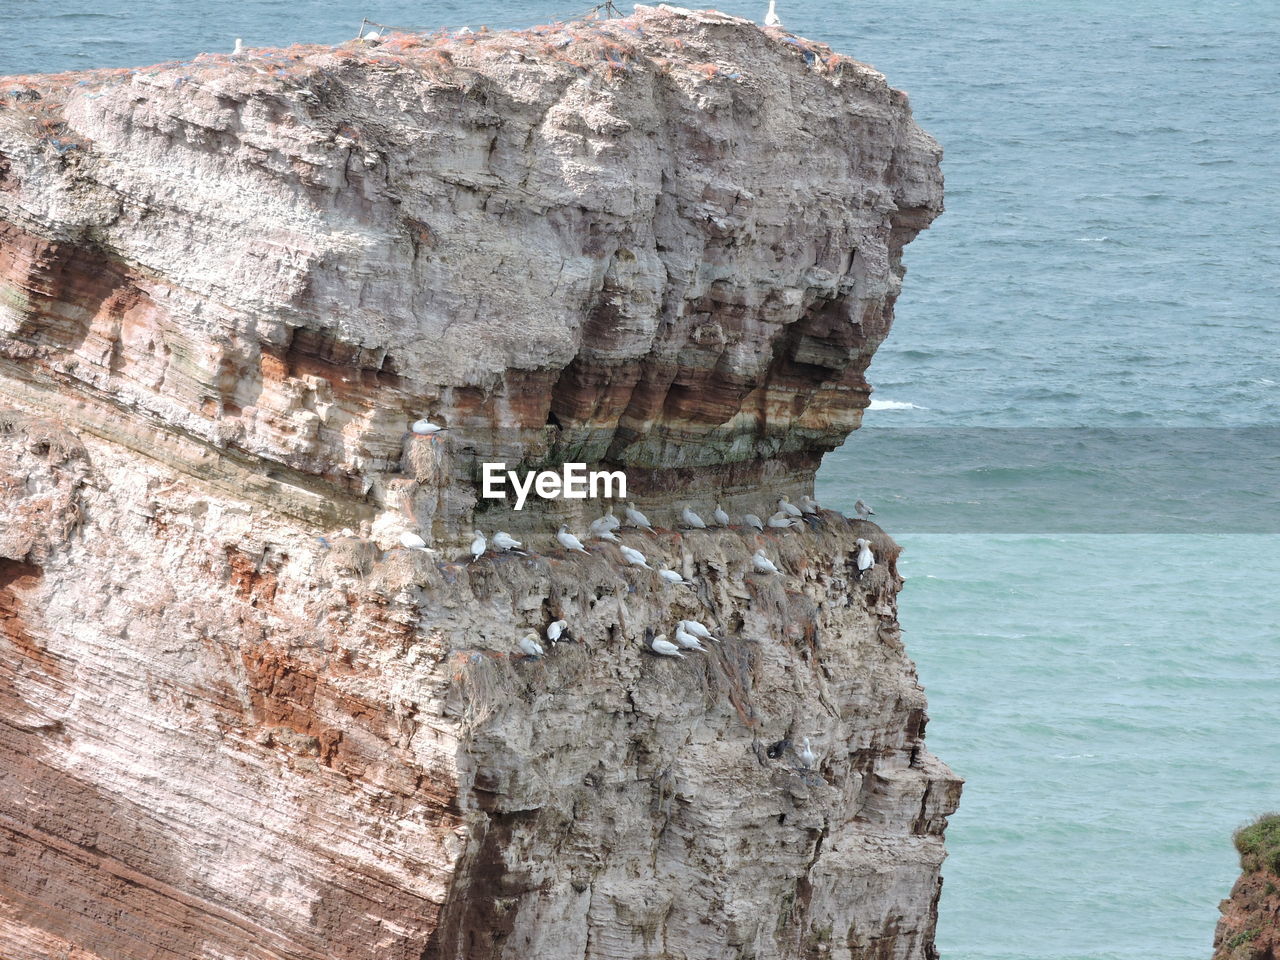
(237,717)
(1250,925)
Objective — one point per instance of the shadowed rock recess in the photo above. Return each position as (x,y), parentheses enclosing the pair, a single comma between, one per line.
(667,244)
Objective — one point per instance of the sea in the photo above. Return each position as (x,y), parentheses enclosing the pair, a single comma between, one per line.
(1073,432)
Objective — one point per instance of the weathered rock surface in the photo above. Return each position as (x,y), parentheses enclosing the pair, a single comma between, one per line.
(668,244)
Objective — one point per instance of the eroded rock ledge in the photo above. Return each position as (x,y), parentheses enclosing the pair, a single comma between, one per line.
(668,243)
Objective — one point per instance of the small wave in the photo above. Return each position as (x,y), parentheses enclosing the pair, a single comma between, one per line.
(894,405)
(1092,239)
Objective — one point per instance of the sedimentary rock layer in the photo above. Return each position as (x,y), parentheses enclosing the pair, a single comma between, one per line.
(667,244)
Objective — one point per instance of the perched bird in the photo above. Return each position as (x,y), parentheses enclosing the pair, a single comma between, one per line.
(635,557)
(809,505)
(721,518)
(762,563)
(412,541)
(866,559)
(478,545)
(660,644)
(529,645)
(637,519)
(425,428)
(603,525)
(863,510)
(751,520)
(672,577)
(771,19)
(373,36)
(781,519)
(346,532)
(568,540)
(239,47)
(504,541)
(698,630)
(787,507)
(606,535)
(806,755)
(691,519)
(556,630)
(688,640)
(610,521)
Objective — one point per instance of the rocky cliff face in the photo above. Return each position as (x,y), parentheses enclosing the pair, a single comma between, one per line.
(667,244)
(1249,928)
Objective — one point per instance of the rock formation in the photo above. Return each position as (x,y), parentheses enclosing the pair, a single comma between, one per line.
(667,244)
(1249,928)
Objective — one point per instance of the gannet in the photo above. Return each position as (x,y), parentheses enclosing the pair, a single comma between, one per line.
(781,519)
(691,519)
(529,645)
(612,522)
(672,577)
(762,563)
(786,506)
(239,47)
(751,520)
(606,535)
(808,504)
(425,428)
(634,557)
(373,36)
(346,532)
(806,755)
(556,630)
(866,559)
(771,19)
(412,541)
(688,640)
(661,645)
(504,541)
(698,630)
(568,540)
(637,519)
(478,545)
(863,510)
(721,518)
(601,525)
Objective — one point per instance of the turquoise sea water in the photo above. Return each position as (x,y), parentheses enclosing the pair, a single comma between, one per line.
(1110,258)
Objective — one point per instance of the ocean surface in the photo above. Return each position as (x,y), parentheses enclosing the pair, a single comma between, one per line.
(1105,677)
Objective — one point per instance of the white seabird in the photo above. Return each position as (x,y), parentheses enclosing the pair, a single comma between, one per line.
(637,519)
(610,521)
(807,756)
(866,559)
(412,541)
(771,19)
(721,518)
(751,520)
(569,541)
(786,506)
(698,630)
(346,532)
(529,645)
(373,36)
(425,428)
(781,519)
(672,577)
(556,630)
(863,510)
(606,535)
(478,545)
(504,541)
(762,563)
(808,505)
(239,47)
(688,640)
(691,519)
(661,645)
(634,557)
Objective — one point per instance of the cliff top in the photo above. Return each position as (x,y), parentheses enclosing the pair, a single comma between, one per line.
(662,37)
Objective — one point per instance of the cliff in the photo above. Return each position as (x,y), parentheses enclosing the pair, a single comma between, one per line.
(1249,928)
(667,244)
